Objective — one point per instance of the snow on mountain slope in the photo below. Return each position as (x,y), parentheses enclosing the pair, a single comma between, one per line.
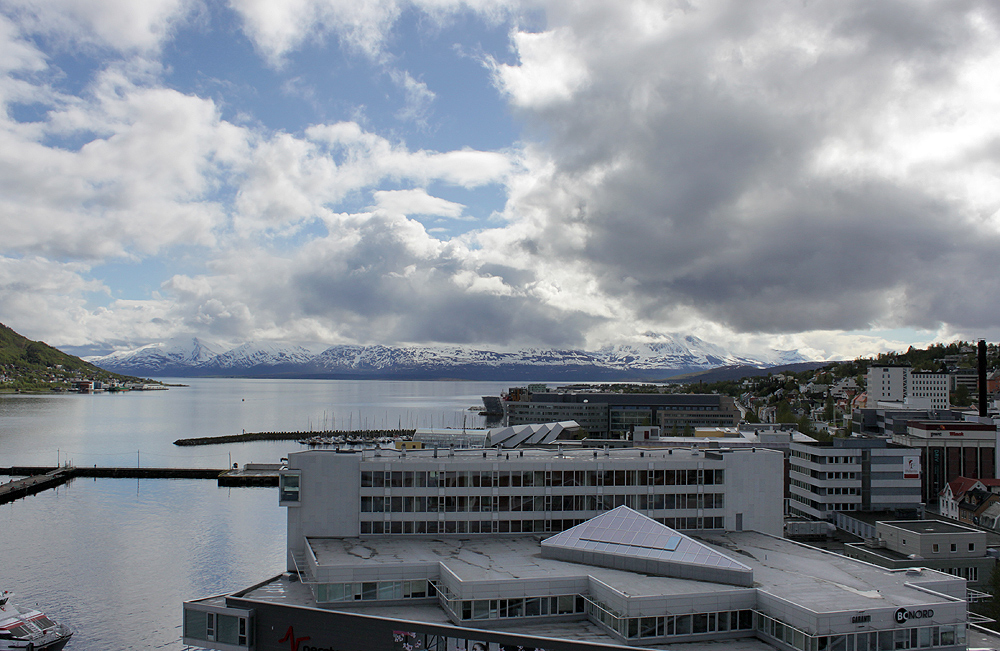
(257,354)
(659,357)
(176,353)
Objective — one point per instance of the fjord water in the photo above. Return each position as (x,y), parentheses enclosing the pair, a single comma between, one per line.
(114,558)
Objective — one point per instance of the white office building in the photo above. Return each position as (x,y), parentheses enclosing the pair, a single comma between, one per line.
(899,384)
(489,492)
(853,474)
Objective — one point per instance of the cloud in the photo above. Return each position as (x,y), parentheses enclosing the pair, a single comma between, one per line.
(375,278)
(551,70)
(361,26)
(754,172)
(416,202)
(119,24)
(418,97)
(287,179)
(767,167)
(279,27)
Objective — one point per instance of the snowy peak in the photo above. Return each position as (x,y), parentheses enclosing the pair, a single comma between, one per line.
(659,357)
(179,352)
(255,354)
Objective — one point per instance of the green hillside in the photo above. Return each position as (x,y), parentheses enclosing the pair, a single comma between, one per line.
(27,365)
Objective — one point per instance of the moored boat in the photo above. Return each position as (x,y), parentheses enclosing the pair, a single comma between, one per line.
(29,629)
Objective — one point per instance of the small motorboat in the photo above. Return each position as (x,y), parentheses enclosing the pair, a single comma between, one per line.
(29,629)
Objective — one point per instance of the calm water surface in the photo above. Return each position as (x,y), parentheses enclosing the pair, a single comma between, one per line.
(139,427)
(114,558)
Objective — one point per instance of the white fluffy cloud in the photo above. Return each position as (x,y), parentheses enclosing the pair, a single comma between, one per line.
(120,24)
(758,173)
(416,202)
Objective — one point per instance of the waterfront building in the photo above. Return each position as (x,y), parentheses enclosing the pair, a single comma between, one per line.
(489,492)
(615,415)
(533,435)
(619,580)
(853,474)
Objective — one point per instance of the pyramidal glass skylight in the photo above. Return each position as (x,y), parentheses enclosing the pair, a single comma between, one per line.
(623,532)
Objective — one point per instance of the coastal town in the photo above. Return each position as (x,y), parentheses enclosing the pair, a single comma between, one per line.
(600,515)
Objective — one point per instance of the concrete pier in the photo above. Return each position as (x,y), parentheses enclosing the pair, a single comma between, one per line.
(40,478)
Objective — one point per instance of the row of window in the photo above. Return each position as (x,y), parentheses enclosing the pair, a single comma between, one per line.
(670,625)
(816,474)
(374,591)
(517,503)
(954,547)
(217,627)
(821,506)
(904,638)
(967,573)
(502,478)
(839,490)
(379,528)
(572,604)
(822,458)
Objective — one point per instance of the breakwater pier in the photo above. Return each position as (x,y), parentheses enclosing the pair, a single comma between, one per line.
(328,436)
(36,479)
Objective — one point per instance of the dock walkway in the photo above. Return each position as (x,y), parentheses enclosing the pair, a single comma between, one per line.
(39,478)
(36,483)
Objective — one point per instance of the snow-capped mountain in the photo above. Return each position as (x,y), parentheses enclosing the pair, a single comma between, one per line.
(662,357)
(259,354)
(163,358)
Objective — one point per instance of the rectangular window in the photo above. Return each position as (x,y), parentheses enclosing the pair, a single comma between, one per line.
(288,490)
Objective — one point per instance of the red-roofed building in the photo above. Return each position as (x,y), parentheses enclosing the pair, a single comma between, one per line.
(951,495)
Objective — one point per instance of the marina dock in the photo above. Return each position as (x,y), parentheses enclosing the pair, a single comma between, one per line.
(39,478)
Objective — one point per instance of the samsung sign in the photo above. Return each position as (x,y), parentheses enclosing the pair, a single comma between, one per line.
(902,615)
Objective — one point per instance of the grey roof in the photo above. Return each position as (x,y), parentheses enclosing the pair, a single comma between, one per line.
(534,434)
(626,539)
(928,526)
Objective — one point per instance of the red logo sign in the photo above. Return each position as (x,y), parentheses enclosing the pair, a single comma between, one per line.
(293,642)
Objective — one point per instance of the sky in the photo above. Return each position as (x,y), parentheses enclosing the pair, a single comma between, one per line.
(819,176)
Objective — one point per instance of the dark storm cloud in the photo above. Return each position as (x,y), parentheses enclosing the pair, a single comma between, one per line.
(383,289)
(751,166)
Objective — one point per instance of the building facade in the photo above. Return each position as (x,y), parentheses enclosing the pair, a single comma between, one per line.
(852,474)
(950,449)
(616,581)
(615,415)
(886,382)
(491,492)
(943,546)
(901,384)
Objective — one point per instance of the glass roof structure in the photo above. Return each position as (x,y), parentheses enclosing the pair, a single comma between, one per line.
(625,539)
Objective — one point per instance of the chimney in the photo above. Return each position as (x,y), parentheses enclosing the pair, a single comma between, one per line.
(982,378)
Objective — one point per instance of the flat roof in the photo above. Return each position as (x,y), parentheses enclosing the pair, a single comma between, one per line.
(569,455)
(929,526)
(494,559)
(815,579)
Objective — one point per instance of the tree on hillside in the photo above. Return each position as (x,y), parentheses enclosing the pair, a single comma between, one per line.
(960,396)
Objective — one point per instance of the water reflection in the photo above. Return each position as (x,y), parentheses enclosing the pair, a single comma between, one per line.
(114,558)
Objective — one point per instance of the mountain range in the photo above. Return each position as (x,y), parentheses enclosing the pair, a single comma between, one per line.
(665,356)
